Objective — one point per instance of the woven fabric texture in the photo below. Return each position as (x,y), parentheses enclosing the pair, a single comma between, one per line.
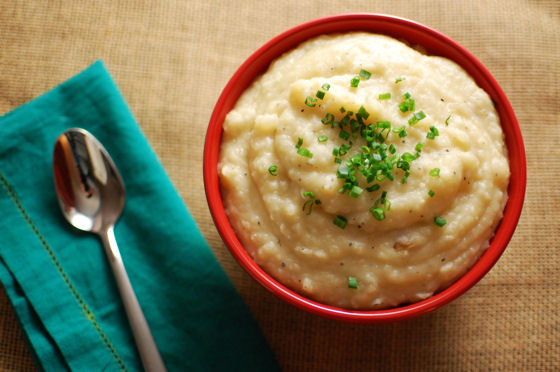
(171,59)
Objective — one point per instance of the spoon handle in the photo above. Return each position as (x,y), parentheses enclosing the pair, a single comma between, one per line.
(151,359)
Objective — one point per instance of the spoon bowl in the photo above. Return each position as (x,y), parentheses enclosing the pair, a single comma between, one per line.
(90,189)
(91,195)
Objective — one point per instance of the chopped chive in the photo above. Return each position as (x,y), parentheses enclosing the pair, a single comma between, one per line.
(310,101)
(439,221)
(352,282)
(431,193)
(355,81)
(378,213)
(400,131)
(272,170)
(418,147)
(326,86)
(447,120)
(363,113)
(343,172)
(340,221)
(384,124)
(322,138)
(405,177)
(408,104)
(299,142)
(309,194)
(416,117)
(344,134)
(342,110)
(434,172)
(407,157)
(328,119)
(355,191)
(433,133)
(304,152)
(365,74)
(385,96)
(399,79)
(373,187)
(344,149)
(308,205)
(320,94)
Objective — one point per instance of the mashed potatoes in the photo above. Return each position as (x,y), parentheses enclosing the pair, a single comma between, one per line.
(362,173)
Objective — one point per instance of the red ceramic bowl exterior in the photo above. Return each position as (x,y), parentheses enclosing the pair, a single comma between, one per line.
(434,43)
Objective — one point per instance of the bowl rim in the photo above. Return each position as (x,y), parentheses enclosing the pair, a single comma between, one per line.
(435,43)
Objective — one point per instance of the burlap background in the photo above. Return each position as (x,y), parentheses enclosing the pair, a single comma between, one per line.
(172,58)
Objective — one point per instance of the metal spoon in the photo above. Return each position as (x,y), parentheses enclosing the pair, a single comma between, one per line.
(91,195)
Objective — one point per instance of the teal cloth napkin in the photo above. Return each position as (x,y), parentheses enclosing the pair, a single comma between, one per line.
(58,278)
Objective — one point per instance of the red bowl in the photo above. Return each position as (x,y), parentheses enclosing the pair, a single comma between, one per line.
(435,43)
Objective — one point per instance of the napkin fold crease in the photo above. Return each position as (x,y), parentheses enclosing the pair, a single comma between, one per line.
(57,278)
